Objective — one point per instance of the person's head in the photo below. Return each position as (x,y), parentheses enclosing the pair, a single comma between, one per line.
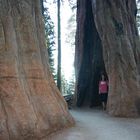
(103,77)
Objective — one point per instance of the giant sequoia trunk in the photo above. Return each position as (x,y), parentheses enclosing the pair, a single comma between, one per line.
(107,33)
(31,106)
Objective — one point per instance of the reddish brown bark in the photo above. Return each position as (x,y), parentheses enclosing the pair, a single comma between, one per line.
(116,26)
(31,106)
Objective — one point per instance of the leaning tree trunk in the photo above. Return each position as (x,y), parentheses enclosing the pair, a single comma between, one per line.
(112,26)
(30,104)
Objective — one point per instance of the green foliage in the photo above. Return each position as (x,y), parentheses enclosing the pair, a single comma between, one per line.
(72,4)
(68,86)
(138,16)
(71,31)
(50,39)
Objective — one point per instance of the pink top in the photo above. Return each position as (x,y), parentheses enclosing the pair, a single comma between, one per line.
(103,87)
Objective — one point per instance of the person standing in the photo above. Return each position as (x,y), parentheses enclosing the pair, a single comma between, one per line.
(103,91)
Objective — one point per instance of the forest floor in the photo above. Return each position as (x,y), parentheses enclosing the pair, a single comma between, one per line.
(95,124)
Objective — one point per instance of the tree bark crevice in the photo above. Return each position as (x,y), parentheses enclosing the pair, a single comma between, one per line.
(91,63)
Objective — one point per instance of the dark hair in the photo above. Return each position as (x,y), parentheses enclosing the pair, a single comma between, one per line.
(105,76)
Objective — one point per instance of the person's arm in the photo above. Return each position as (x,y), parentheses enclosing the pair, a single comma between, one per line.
(99,87)
(107,85)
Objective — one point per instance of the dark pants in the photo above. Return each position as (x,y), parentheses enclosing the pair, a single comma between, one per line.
(103,97)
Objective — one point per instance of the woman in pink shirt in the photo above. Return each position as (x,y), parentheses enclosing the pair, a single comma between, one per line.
(103,91)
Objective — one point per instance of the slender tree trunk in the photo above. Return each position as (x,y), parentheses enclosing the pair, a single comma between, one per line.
(59,46)
(113,29)
(42,7)
(31,106)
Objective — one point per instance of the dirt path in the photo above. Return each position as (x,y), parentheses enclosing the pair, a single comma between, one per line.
(98,125)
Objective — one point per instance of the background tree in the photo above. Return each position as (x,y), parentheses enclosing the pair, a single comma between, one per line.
(58,2)
(138,16)
(70,42)
(50,39)
(68,86)
(59,45)
(71,31)
(72,4)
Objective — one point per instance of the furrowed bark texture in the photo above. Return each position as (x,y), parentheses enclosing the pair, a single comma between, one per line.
(88,56)
(115,26)
(31,106)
